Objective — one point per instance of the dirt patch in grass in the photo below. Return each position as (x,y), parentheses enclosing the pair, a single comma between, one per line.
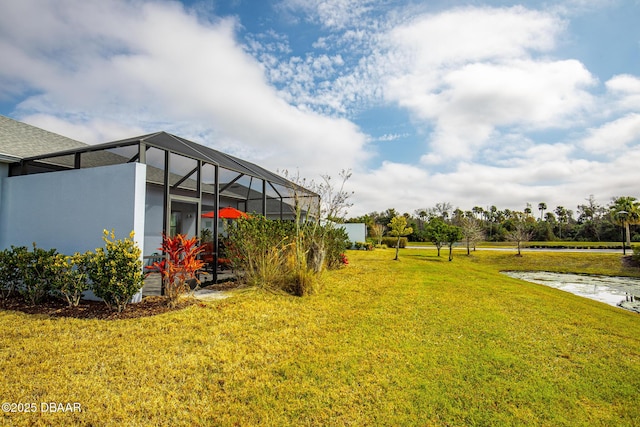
(628,261)
(222,286)
(149,306)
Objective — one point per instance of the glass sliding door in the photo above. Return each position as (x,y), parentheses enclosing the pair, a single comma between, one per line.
(184,218)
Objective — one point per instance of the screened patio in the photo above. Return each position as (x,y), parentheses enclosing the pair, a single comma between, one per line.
(186,185)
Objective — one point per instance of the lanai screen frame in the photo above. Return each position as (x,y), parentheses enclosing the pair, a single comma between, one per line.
(135,150)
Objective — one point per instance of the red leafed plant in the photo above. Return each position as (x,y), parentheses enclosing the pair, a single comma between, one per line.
(180,265)
(343,259)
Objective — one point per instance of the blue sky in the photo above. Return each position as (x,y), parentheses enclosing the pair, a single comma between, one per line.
(474,103)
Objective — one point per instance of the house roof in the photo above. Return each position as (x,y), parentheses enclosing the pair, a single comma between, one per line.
(192,149)
(20,140)
(177,145)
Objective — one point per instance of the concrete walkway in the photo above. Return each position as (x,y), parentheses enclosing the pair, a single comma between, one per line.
(210,295)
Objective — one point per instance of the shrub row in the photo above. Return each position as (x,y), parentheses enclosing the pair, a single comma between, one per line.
(391,241)
(113,273)
(570,246)
(364,246)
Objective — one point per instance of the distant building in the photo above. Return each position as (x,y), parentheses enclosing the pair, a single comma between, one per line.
(357,232)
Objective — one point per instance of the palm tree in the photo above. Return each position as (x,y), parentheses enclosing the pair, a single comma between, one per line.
(561,211)
(477,210)
(492,213)
(542,206)
(625,210)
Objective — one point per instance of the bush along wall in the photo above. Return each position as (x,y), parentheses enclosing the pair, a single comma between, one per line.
(113,273)
(10,277)
(33,274)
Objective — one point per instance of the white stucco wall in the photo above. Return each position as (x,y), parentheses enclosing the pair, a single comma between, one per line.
(357,231)
(69,210)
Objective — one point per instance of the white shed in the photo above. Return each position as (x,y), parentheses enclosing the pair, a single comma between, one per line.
(357,231)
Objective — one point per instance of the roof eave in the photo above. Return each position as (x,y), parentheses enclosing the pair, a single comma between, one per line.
(8,158)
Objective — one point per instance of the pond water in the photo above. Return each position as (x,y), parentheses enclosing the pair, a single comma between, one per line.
(612,290)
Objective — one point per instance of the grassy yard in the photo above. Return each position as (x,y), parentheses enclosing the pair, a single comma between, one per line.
(420,341)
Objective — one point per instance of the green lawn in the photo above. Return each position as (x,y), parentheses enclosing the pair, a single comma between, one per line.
(420,341)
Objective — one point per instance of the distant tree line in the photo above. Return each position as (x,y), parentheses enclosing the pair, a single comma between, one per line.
(590,221)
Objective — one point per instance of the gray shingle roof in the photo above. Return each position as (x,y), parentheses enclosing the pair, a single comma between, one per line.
(21,140)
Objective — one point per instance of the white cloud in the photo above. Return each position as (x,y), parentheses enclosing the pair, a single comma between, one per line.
(483,80)
(95,130)
(625,90)
(613,138)
(392,185)
(466,35)
(470,71)
(481,85)
(391,137)
(539,178)
(334,14)
(155,66)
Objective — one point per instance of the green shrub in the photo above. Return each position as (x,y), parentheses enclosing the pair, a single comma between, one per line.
(38,273)
(636,254)
(336,242)
(72,278)
(115,271)
(365,246)
(10,277)
(391,242)
(38,270)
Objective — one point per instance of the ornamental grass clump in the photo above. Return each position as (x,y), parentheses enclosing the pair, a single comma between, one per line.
(302,279)
(259,248)
(115,271)
(284,256)
(180,266)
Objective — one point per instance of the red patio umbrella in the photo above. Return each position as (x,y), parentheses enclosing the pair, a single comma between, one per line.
(228,213)
(231,213)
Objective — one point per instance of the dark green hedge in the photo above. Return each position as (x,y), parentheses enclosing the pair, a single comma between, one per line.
(391,242)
